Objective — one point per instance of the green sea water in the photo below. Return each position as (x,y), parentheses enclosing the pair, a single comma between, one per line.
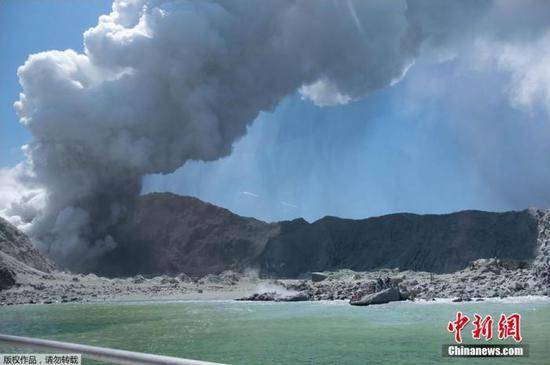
(276,333)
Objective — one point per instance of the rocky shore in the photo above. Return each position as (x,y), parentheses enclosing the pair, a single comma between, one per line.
(484,278)
(62,287)
(28,278)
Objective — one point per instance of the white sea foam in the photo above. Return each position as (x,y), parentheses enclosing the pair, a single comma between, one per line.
(512,300)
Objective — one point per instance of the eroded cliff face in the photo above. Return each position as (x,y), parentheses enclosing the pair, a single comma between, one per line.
(541,263)
(435,243)
(171,234)
(18,256)
(18,246)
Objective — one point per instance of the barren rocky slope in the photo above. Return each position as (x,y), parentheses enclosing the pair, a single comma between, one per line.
(169,234)
(172,234)
(26,276)
(18,256)
(16,244)
(482,278)
(436,243)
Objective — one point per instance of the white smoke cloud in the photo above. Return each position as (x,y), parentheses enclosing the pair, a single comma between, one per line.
(528,66)
(324,93)
(10,189)
(162,82)
(508,35)
(20,200)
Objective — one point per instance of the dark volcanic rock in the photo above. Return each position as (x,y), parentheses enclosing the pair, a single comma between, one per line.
(299,297)
(170,234)
(436,243)
(7,278)
(16,244)
(260,297)
(381,297)
(318,276)
(273,296)
(462,299)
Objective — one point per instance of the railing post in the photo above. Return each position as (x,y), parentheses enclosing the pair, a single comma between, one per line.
(100,353)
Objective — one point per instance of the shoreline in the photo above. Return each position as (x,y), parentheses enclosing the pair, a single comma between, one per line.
(484,279)
(528,299)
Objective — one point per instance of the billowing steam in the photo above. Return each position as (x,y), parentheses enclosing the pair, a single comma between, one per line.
(162,82)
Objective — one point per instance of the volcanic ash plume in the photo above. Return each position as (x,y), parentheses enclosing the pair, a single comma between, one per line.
(162,82)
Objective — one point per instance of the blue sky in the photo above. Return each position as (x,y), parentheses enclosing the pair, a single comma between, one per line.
(28,27)
(418,146)
(367,158)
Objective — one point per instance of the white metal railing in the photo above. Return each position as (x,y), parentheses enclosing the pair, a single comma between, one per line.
(101,353)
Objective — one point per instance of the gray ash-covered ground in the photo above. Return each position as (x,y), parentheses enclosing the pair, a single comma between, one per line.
(25,277)
(484,278)
(62,287)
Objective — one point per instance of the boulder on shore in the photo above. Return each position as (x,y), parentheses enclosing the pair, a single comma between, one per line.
(276,297)
(184,278)
(260,297)
(318,276)
(7,278)
(381,297)
(138,279)
(299,297)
